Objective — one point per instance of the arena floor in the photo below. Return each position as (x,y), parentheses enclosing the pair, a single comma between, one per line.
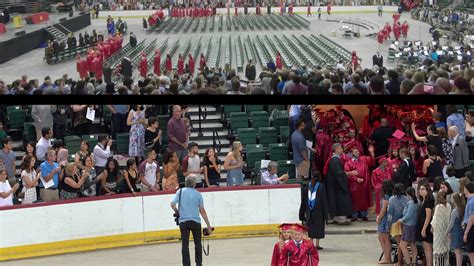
(361,249)
(33,65)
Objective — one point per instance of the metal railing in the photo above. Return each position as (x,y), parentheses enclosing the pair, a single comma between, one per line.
(216,142)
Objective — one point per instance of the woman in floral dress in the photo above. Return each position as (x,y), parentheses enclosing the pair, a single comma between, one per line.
(136,119)
(170,171)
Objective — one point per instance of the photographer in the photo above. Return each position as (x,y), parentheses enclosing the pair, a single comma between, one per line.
(190,205)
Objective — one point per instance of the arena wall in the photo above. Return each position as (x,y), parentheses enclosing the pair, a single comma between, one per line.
(299,10)
(123,220)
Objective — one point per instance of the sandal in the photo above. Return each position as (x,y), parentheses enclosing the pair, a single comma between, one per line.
(385,262)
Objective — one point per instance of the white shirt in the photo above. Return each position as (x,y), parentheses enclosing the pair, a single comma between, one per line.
(150,172)
(8,201)
(194,164)
(41,148)
(453,143)
(101,155)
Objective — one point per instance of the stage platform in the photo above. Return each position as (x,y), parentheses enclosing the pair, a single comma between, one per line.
(12,46)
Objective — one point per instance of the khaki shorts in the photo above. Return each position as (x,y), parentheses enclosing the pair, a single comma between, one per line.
(145,189)
(49,195)
(303,169)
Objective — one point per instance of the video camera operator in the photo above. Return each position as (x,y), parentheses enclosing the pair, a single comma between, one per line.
(190,204)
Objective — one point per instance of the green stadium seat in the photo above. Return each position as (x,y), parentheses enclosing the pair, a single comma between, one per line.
(163,121)
(278,107)
(254,156)
(259,119)
(29,132)
(284,134)
(238,120)
(232,109)
(258,169)
(107,115)
(471,165)
(267,135)
(253,108)
(247,136)
(122,143)
(287,166)
(92,140)
(281,118)
(278,151)
(72,143)
(17,118)
(254,147)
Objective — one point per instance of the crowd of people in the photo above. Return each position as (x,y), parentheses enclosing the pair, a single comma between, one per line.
(413,158)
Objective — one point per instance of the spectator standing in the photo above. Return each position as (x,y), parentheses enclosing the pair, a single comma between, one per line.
(50,171)
(30,180)
(30,149)
(6,191)
(455,230)
(382,224)
(468,220)
(153,135)
(297,88)
(425,215)
(300,150)
(317,208)
(192,164)
(432,138)
(250,71)
(460,151)
(101,152)
(7,157)
(380,136)
(190,205)
(455,119)
(432,166)
(61,152)
(406,174)
(409,221)
(170,171)
(109,178)
(132,179)
(440,225)
(72,182)
(377,60)
(82,153)
(149,172)
(42,117)
(43,144)
(136,119)
(396,205)
(452,180)
(270,177)
(119,118)
(79,121)
(393,86)
(233,164)
(212,168)
(178,133)
(60,113)
(447,148)
(89,188)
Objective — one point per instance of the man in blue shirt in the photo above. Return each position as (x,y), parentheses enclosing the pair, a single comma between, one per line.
(300,151)
(190,206)
(50,170)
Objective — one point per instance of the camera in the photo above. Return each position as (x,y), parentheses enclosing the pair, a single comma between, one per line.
(206,232)
(176,217)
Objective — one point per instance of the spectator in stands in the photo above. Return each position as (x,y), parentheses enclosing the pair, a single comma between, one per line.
(6,191)
(61,152)
(60,113)
(432,166)
(393,86)
(79,121)
(82,153)
(406,174)
(119,118)
(136,121)
(150,172)
(132,179)
(468,125)
(72,182)
(233,164)
(7,158)
(50,171)
(297,88)
(43,144)
(29,179)
(460,151)
(424,233)
(178,133)
(468,220)
(455,119)
(110,178)
(300,150)
(377,86)
(409,221)
(212,168)
(170,170)
(42,117)
(192,164)
(88,189)
(101,153)
(380,136)
(270,176)
(250,71)
(153,135)
(431,139)
(30,149)
(3,133)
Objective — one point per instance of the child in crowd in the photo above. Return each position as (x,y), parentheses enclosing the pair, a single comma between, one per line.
(6,191)
(382,229)
(455,229)
(409,227)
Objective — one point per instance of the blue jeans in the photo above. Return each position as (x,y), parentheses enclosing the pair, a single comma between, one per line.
(360,214)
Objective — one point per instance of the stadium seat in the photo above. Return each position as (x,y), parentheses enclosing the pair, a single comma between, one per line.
(238,120)
(254,147)
(267,135)
(278,151)
(259,119)
(122,143)
(254,156)
(471,165)
(253,108)
(29,132)
(12,108)
(107,115)
(232,108)
(287,166)
(17,118)
(281,118)
(72,143)
(470,146)
(247,136)
(92,140)
(284,134)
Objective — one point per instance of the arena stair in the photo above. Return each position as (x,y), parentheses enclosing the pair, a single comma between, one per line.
(56,34)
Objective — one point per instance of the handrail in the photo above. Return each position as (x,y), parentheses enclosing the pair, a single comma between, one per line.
(216,140)
(199,121)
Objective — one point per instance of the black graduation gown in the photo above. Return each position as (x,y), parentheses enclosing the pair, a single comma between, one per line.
(318,216)
(339,196)
(126,68)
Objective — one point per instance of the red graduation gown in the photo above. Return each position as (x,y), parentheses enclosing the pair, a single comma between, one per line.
(387,30)
(392,162)
(405,29)
(202,62)
(360,192)
(378,176)
(143,67)
(276,254)
(156,65)
(396,31)
(290,9)
(380,37)
(168,65)
(306,255)
(323,150)
(278,63)
(191,66)
(180,66)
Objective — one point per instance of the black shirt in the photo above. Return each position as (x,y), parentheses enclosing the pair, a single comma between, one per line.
(380,136)
(212,173)
(149,136)
(436,141)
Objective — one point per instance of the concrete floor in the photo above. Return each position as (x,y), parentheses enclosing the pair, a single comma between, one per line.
(33,65)
(343,245)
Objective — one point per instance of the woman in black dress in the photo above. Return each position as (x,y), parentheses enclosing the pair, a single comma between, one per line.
(316,209)
(131,177)
(425,215)
(432,166)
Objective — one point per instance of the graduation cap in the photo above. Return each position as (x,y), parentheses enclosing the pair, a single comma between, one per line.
(323,121)
(299,228)
(285,226)
(382,158)
(413,145)
(339,108)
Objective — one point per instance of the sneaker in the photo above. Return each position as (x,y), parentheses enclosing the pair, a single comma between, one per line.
(319,248)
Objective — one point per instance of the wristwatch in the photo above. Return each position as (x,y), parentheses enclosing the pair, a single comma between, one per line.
(133,190)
